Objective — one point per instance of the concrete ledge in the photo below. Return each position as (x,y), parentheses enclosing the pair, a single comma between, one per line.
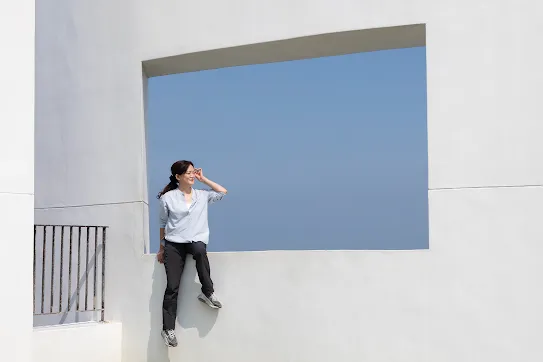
(82,342)
(305,47)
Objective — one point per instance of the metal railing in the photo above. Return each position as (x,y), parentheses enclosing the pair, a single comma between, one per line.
(69,269)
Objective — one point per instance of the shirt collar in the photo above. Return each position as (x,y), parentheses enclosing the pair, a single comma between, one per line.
(194,194)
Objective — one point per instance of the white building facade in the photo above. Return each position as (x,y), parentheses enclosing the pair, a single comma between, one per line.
(73,120)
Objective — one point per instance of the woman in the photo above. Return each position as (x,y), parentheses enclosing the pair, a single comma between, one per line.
(184,230)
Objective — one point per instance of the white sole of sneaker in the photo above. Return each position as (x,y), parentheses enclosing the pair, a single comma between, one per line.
(206,301)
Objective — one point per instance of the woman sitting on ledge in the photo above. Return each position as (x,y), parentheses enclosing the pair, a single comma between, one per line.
(184,230)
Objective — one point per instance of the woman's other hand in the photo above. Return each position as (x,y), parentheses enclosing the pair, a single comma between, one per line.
(160,255)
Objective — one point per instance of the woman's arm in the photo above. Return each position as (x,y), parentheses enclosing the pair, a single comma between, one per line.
(213,185)
(163,217)
(162,235)
(160,254)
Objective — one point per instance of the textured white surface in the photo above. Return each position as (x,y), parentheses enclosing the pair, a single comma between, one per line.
(483,78)
(17,95)
(472,297)
(85,342)
(16,177)
(16,217)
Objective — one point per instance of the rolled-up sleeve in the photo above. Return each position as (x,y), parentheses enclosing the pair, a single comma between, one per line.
(163,213)
(214,196)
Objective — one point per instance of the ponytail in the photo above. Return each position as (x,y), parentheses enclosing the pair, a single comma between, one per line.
(169,187)
(178,168)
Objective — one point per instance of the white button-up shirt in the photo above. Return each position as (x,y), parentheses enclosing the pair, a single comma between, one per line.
(183,223)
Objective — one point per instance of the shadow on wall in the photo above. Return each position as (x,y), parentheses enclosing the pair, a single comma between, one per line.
(191,313)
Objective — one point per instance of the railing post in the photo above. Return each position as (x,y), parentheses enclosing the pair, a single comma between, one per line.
(61,267)
(78,268)
(103,273)
(43,268)
(51,301)
(95,266)
(70,271)
(34,272)
(87,271)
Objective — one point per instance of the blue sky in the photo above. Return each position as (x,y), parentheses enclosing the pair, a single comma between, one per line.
(327,153)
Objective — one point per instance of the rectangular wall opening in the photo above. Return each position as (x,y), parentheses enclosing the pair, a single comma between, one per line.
(326,153)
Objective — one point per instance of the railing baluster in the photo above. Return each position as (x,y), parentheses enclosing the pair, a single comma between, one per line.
(95,266)
(43,268)
(70,272)
(78,266)
(87,271)
(61,267)
(52,271)
(103,273)
(34,271)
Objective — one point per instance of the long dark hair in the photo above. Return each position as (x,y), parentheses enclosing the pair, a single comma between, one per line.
(178,168)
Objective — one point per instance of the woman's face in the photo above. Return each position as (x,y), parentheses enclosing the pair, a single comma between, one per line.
(187,178)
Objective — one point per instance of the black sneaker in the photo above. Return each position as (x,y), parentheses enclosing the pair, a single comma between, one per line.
(169,338)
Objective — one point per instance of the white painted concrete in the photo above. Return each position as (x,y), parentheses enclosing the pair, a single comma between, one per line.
(472,297)
(16,216)
(84,342)
(17,95)
(16,177)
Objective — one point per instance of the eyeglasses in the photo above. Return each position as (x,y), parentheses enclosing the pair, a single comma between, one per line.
(191,173)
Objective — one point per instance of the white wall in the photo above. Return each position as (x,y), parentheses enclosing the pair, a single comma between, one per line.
(84,342)
(472,297)
(16,177)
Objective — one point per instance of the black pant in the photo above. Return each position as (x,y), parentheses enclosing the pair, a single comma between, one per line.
(174,261)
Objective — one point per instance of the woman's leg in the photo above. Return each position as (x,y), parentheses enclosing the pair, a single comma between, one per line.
(174,261)
(199,253)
